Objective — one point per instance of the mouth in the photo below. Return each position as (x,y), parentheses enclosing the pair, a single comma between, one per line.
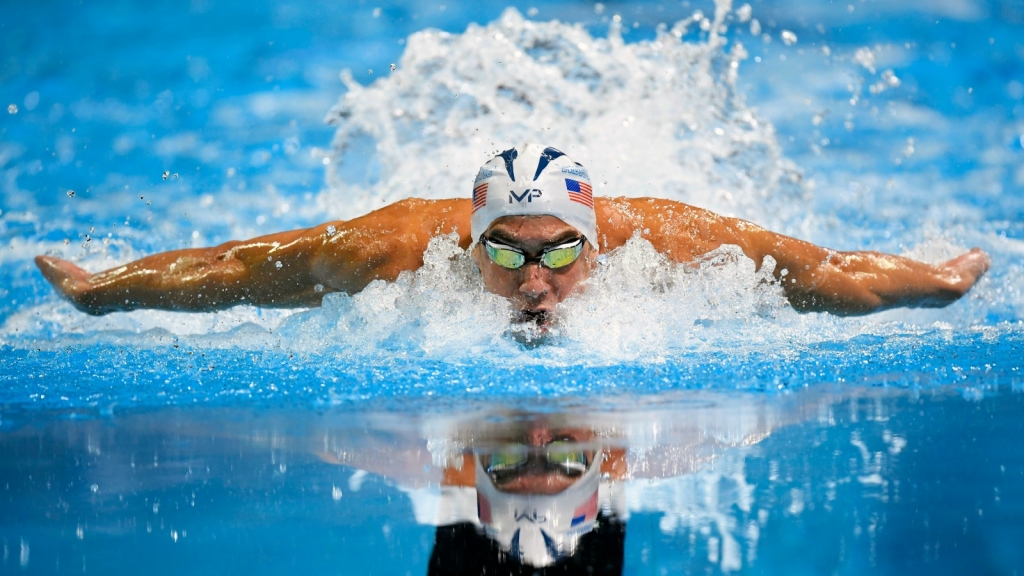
(540,318)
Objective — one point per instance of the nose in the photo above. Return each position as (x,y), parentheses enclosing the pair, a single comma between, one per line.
(539,436)
(535,287)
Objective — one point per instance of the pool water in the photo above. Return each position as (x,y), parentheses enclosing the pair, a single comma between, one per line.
(755,439)
(834,479)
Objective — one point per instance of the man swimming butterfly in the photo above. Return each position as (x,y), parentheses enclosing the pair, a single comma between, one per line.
(535,231)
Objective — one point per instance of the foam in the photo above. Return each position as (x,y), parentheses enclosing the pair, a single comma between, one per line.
(656,118)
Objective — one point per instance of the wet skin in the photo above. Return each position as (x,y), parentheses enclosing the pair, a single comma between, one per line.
(297,268)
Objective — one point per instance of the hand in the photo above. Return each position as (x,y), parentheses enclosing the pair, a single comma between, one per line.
(69,280)
(965,270)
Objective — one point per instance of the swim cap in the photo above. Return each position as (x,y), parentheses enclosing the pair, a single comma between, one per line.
(539,529)
(533,181)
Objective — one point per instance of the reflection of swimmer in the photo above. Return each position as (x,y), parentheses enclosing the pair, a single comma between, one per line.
(539,502)
(538,496)
(535,494)
(535,230)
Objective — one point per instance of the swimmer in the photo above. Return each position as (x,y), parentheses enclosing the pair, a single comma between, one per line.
(534,229)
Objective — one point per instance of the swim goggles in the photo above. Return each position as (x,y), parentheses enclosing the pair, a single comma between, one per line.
(559,457)
(552,257)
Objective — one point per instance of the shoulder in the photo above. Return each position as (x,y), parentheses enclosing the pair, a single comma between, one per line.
(681,231)
(430,208)
(417,212)
(619,218)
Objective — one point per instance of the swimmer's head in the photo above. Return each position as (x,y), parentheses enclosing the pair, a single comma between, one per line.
(534,228)
(534,180)
(536,500)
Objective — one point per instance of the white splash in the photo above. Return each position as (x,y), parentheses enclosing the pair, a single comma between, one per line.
(655,118)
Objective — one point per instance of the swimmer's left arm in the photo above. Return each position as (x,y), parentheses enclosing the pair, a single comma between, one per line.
(817,279)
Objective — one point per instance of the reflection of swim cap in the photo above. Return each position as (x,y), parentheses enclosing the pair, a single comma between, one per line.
(531,181)
(539,529)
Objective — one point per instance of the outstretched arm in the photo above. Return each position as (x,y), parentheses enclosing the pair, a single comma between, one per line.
(815,279)
(295,268)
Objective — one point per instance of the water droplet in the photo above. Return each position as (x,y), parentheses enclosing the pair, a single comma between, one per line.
(12,108)
(71,193)
(318,288)
(95,488)
(278,265)
(166,174)
(376,12)
(788,38)
(331,230)
(908,150)
(891,79)
(393,67)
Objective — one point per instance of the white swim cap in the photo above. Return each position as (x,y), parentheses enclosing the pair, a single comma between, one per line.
(539,529)
(534,181)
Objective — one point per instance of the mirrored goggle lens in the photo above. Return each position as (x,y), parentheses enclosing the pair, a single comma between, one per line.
(504,257)
(557,458)
(563,255)
(563,455)
(506,460)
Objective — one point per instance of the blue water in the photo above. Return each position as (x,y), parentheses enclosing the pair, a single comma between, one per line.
(897,128)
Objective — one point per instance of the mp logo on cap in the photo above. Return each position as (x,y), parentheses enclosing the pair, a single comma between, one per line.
(527,195)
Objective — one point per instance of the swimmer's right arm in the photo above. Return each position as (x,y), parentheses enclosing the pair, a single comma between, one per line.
(287,269)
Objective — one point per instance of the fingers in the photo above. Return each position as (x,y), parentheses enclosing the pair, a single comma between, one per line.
(983,260)
(69,280)
(972,264)
(59,272)
(964,271)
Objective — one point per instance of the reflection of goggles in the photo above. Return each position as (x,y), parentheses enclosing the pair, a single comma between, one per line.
(552,257)
(504,464)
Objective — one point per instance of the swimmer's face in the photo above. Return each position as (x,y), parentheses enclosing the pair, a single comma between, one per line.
(533,478)
(534,289)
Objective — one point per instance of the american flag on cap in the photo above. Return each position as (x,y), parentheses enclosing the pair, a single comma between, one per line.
(483,509)
(588,511)
(580,192)
(479,196)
